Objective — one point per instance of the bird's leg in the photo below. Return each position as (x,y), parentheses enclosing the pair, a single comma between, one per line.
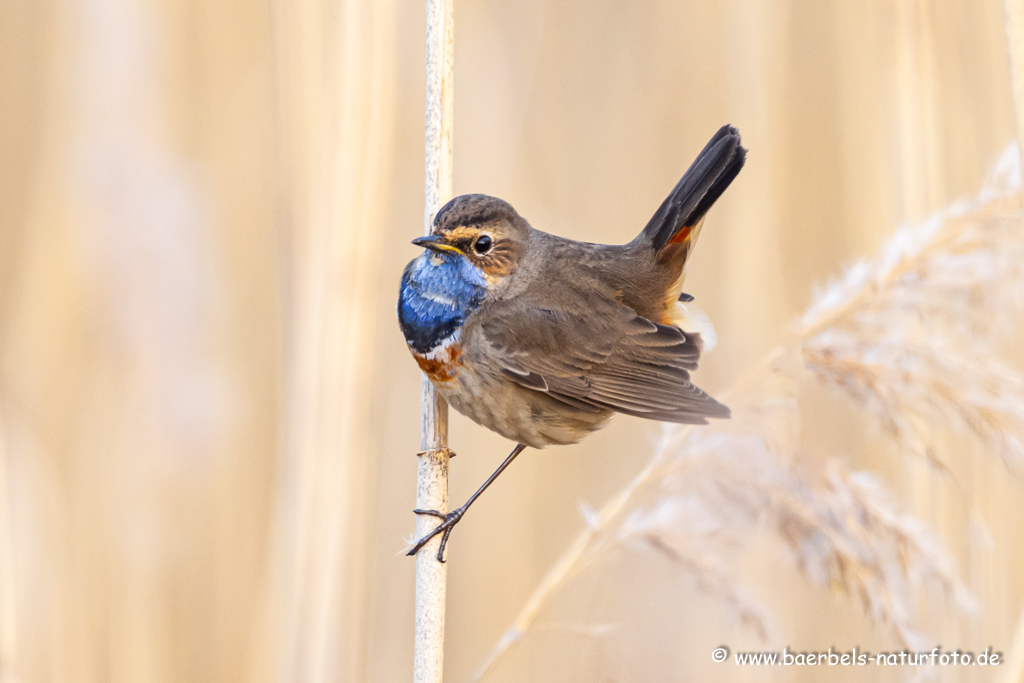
(453,517)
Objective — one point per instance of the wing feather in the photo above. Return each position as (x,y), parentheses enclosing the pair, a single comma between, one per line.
(610,358)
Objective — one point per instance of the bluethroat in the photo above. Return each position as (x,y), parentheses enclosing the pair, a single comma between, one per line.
(541,338)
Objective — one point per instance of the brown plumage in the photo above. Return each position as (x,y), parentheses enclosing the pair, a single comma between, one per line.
(541,338)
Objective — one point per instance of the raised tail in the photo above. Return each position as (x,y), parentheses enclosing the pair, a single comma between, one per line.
(677,220)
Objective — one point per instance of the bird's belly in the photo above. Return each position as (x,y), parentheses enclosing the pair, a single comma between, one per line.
(522,415)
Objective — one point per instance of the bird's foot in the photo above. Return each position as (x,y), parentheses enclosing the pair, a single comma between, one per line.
(445,528)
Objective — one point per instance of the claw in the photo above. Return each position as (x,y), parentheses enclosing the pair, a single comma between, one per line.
(449,521)
(445,527)
(432,513)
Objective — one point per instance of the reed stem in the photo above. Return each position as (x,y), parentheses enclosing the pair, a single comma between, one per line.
(1014,15)
(432,482)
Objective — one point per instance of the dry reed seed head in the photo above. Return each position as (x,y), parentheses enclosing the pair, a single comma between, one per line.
(917,391)
(695,538)
(698,518)
(730,481)
(973,245)
(908,336)
(871,551)
(965,285)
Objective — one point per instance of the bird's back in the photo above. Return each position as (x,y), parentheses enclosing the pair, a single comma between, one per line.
(629,274)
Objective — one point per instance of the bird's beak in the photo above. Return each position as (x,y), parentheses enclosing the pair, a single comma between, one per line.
(435,243)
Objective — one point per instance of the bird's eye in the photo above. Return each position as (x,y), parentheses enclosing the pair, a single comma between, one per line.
(482,244)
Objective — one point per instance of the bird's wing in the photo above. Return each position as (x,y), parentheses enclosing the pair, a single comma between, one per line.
(606,358)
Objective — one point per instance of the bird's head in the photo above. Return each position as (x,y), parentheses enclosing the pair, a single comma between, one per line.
(485,231)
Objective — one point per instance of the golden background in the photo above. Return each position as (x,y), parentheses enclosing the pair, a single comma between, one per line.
(208,416)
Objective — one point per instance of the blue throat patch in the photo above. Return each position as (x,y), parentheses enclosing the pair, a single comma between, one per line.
(434,300)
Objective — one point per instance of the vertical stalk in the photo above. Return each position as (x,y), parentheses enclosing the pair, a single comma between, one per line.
(8,588)
(1014,11)
(432,480)
(1014,19)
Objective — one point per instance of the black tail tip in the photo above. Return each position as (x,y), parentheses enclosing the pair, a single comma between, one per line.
(709,175)
(732,134)
(728,130)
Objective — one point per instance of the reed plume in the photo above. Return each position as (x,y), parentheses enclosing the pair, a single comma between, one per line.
(910,337)
(915,343)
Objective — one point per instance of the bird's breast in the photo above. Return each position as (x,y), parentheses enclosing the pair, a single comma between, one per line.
(441,364)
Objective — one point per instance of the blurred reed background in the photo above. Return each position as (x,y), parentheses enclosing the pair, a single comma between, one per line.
(208,417)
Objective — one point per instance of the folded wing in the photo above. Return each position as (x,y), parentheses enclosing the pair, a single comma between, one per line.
(609,358)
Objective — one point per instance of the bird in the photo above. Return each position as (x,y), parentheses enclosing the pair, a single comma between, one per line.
(542,339)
